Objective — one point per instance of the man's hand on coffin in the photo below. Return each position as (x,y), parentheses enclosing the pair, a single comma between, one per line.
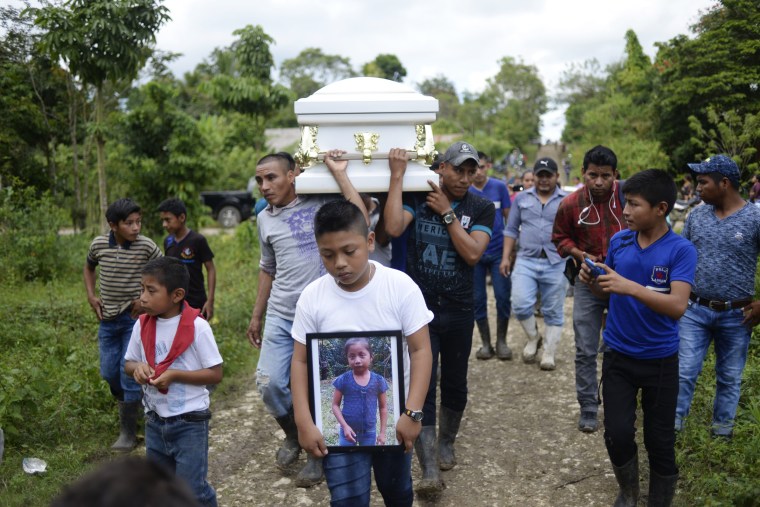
(397,160)
(335,166)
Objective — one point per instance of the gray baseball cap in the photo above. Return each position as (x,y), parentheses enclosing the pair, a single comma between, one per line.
(459,152)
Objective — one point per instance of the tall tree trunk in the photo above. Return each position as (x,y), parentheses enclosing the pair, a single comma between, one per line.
(78,214)
(100,142)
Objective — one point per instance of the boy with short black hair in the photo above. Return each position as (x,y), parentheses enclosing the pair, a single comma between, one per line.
(121,254)
(173,355)
(192,249)
(361,295)
(648,275)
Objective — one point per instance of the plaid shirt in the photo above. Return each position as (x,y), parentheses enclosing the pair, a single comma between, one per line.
(592,239)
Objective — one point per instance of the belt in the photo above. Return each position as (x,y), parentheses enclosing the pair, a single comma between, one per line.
(720,306)
(197,416)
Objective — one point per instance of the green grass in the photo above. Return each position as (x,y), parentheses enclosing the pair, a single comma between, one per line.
(53,403)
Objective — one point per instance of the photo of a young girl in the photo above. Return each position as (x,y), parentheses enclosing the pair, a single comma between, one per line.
(356,388)
(363,396)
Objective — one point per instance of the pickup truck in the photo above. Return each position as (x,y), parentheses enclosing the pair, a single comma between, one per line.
(229,207)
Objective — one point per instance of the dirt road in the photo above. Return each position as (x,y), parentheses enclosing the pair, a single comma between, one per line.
(518,444)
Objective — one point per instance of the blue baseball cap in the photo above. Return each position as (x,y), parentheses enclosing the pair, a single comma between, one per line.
(722,164)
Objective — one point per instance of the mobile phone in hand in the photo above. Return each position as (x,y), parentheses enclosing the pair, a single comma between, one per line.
(595,270)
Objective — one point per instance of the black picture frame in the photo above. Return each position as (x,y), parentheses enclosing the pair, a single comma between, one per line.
(326,361)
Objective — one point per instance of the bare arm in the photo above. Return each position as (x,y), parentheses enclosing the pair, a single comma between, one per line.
(505,267)
(208,308)
(348,431)
(141,372)
(671,305)
(395,218)
(308,434)
(421,365)
(469,246)
(262,298)
(338,170)
(382,405)
(89,284)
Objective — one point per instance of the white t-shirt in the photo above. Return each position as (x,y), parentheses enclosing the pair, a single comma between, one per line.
(202,353)
(390,301)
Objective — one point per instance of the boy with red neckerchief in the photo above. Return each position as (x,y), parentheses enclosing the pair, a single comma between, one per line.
(173,356)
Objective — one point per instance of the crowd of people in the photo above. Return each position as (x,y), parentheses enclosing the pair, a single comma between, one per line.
(648,300)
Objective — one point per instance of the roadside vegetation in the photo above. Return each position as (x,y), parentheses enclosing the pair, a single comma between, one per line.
(53,403)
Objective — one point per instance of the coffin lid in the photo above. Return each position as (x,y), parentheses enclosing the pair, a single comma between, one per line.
(359,95)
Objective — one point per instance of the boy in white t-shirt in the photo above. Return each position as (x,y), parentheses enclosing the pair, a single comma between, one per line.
(173,356)
(360,295)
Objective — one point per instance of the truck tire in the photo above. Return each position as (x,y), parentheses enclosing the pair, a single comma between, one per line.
(229,216)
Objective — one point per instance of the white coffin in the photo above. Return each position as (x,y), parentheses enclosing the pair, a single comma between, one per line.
(366,117)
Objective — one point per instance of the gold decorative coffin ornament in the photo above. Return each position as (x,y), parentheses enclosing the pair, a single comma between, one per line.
(366,117)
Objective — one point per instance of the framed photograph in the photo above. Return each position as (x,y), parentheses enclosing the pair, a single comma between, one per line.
(356,388)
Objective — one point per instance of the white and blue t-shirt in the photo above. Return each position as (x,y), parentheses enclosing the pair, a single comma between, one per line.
(633,328)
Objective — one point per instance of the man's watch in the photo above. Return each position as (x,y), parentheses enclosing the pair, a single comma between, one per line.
(449,217)
(414,415)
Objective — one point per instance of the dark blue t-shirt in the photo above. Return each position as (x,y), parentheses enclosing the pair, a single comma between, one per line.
(432,260)
(496,192)
(360,402)
(633,328)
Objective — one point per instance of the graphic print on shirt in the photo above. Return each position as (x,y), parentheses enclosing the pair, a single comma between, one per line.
(438,255)
(187,254)
(660,278)
(301,225)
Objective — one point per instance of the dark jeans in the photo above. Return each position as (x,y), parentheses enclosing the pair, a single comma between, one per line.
(622,377)
(451,337)
(181,444)
(502,288)
(113,339)
(347,475)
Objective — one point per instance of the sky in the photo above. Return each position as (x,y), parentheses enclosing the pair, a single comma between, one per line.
(463,41)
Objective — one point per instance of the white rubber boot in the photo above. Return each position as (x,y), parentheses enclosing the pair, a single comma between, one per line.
(531,348)
(553,336)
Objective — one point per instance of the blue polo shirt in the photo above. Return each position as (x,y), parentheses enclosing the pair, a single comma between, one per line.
(633,328)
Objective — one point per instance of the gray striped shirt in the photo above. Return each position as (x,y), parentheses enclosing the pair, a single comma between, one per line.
(120,267)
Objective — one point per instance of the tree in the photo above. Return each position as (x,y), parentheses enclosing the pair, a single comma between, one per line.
(312,69)
(514,100)
(719,68)
(448,102)
(168,155)
(244,83)
(386,66)
(101,41)
(728,133)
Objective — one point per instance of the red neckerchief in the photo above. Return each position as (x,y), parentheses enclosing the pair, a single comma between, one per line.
(182,340)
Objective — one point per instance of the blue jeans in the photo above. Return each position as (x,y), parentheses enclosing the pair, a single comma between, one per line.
(502,286)
(113,339)
(451,338)
(348,478)
(587,324)
(181,444)
(697,328)
(532,275)
(273,369)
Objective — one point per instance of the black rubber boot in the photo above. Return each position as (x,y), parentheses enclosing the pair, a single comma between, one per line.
(311,474)
(503,351)
(486,351)
(662,489)
(628,479)
(448,427)
(127,426)
(426,447)
(288,452)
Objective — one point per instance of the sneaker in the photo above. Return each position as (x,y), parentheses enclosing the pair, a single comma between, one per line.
(587,422)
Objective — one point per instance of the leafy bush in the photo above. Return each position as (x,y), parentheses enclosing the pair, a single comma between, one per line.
(29,246)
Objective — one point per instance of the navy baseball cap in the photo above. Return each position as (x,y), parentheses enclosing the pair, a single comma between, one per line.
(722,164)
(459,152)
(545,164)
